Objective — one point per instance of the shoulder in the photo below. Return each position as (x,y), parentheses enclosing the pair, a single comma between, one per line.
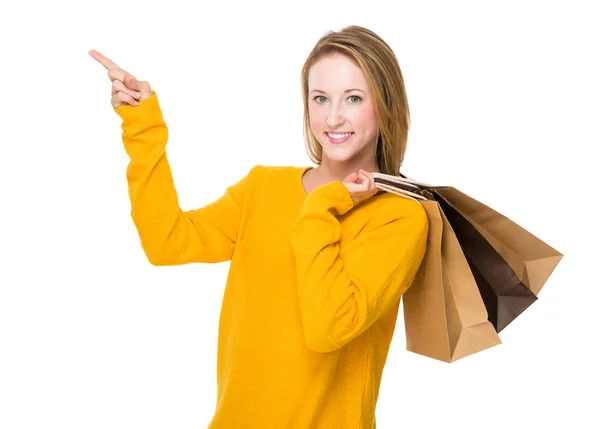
(256,173)
(274,174)
(389,203)
(390,223)
(260,170)
(269,178)
(388,207)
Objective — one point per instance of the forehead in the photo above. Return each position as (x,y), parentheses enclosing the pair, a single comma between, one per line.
(336,71)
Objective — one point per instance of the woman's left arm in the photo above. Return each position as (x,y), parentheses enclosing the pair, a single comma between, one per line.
(342,293)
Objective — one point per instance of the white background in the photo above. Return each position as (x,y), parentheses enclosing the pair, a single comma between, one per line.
(504,101)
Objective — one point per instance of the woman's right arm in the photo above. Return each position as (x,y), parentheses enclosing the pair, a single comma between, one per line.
(170,236)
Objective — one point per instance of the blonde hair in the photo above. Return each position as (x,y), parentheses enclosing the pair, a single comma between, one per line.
(384,77)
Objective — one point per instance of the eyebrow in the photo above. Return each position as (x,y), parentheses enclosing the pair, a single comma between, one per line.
(348,90)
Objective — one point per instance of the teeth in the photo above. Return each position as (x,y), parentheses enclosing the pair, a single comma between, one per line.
(339,136)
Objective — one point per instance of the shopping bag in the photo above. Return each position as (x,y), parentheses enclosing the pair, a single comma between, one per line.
(506,291)
(444,315)
(510,265)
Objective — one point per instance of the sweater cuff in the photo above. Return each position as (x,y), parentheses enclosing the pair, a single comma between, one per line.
(147,111)
(333,195)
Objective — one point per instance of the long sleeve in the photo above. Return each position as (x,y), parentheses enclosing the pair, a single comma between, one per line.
(342,292)
(170,236)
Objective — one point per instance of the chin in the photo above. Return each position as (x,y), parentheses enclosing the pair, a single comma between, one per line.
(340,157)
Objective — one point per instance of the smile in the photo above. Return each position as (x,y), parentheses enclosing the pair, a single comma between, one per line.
(339,138)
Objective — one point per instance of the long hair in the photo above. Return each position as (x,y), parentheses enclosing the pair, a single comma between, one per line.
(384,77)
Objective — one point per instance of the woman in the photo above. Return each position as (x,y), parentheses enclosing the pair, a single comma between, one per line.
(319,259)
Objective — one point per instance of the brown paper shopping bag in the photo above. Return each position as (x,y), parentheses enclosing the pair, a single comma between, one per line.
(509,263)
(444,315)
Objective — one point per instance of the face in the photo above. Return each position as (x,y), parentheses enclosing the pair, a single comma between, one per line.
(339,101)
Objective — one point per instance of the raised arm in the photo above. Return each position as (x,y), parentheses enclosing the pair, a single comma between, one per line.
(170,236)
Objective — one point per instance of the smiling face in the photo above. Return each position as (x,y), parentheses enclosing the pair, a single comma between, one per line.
(339,101)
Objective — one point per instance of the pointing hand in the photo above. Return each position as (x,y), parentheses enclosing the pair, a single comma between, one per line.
(126,89)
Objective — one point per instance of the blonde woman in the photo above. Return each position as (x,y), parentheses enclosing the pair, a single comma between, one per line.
(319,258)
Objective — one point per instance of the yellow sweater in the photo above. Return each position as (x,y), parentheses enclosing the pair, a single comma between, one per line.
(313,289)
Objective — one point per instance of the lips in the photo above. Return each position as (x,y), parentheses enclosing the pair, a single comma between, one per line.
(343,139)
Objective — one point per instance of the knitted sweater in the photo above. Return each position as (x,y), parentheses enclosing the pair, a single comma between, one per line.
(313,289)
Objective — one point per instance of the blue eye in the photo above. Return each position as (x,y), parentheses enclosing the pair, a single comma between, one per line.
(355,96)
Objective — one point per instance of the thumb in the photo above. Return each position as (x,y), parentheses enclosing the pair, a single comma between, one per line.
(131,82)
(141,86)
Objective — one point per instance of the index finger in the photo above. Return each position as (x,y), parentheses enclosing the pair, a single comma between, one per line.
(108,64)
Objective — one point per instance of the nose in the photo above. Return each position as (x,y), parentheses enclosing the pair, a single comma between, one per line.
(335,116)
